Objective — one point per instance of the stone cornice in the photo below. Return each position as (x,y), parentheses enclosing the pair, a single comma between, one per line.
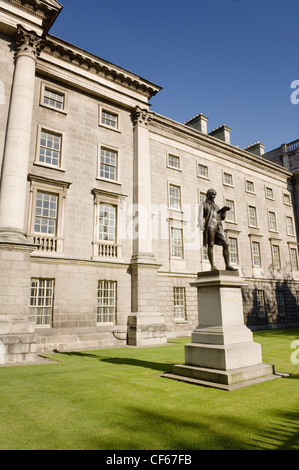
(225,148)
(47,10)
(86,61)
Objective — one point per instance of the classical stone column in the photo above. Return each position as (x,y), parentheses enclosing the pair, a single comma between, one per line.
(146,324)
(17,330)
(16,152)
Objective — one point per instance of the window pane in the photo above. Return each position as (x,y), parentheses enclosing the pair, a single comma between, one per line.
(108,162)
(106,310)
(107,222)
(176,242)
(173,161)
(46,213)
(41,301)
(174,197)
(179,303)
(50,148)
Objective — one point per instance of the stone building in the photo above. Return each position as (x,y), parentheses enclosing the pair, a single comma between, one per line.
(99,235)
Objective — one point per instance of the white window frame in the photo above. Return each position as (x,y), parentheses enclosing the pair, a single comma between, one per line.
(42,303)
(260,297)
(173,247)
(230,202)
(276,260)
(266,195)
(254,256)
(246,187)
(206,167)
(168,156)
(294,262)
(61,135)
(288,197)
(224,174)
(54,89)
(292,232)
(179,303)
(106,250)
(179,199)
(117,165)
(249,217)
(111,111)
(47,242)
(232,254)
(280,302)
(271,229)
(108,302)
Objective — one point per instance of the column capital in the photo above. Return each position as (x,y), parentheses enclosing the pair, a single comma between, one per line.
(28,43)
(141,116)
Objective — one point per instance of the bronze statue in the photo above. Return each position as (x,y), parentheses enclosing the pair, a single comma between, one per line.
(213,233)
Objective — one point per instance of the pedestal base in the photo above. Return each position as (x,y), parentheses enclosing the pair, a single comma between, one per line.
(222,353)
(225,380)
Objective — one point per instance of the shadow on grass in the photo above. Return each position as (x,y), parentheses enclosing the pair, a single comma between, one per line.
(159,366)
(190,431)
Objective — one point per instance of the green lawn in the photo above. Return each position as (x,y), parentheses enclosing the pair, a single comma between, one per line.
(115,399)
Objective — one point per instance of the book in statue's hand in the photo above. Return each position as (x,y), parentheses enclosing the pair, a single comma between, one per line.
(223,210)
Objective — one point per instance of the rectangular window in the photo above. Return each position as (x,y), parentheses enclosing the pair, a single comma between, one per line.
(106,310)
(230,215)
(202,170)
(107,222)
(272,221)
(205,253)
(179,303)
(109,119)
(276,256)
(290,226)
(294,258)
(46,210)
(249,186)
(256,254)
(228,179)
(174,197)
(233,250)
(252,216)
(53,99)
(269,193)
(176,242)
(261,303)
(280,303)
(41,301)
(173,161)
(286,199)
(108,164)
(50,148)
(202,197)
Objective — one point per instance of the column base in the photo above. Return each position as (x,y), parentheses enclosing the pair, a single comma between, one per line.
(146,331)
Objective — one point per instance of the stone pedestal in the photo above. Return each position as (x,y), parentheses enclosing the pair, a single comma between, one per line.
(222,353)
(146,326)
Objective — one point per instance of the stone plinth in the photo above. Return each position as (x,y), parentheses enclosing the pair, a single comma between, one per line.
(17,331)
(222,353)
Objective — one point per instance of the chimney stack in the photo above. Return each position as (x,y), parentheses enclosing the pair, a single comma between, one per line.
(222,133)
(199,123)
(257,149)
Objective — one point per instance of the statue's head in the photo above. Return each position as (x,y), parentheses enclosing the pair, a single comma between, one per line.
(211,194)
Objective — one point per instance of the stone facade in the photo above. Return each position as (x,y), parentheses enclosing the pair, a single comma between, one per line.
(99,231)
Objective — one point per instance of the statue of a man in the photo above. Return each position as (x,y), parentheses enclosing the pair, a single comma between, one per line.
(210,219)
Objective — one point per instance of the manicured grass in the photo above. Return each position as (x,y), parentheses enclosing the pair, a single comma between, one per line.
(115,399)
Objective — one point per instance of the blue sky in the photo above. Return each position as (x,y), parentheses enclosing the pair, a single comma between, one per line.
(232,60)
